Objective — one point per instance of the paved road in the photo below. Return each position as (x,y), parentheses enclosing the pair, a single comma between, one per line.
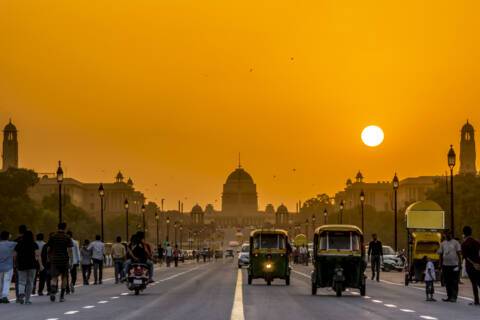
(218,290)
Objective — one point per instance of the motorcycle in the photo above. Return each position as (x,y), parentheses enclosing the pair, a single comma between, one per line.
(394,263)
(137,279)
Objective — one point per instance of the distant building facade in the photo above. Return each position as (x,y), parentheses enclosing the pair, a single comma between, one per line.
(10,147)
(85,195)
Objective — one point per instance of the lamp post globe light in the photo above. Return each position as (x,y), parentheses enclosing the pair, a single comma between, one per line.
(101,193)
(314,219)
(452,158)
(395,184)
(325,216)
(59,181)
(126,206)
(362,204)
(342,206)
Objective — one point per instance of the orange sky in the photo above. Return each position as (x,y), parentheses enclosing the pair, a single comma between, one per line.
(170,91)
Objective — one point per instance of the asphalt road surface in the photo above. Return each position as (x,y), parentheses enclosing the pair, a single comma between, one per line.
(219,290)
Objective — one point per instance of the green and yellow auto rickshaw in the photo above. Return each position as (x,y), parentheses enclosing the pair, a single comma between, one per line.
(339,259)
(269,256)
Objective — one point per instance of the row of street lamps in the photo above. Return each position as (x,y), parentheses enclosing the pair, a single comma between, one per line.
(451,157)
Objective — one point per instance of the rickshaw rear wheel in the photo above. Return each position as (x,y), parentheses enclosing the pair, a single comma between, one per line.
(249,279)
(338,289)
(314,289)
(406,279)
(269,282)
(287,280)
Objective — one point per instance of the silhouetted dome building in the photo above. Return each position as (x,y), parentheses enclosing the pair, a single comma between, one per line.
(239,194)
(130,182)
(197,215)
(269,209)
(359,177)
(10,147)
(468,156)
(119,178)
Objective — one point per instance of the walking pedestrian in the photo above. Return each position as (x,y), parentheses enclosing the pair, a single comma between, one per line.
(45,275)
(27,258)
(21,231)
(86,262)
(160,254)
(169,254)
(40,276)
(429,278)
(176,253)
(375,255)
(98,254)
(75,262)
(59,252)
(450,260)
(7,253)
(119,255)
(471,254)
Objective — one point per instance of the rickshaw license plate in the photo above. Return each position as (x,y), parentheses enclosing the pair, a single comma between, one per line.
(137,281)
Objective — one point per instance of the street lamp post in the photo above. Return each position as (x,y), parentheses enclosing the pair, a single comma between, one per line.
(313,222)
(181,236)
(362,203)
(451,163)
(60,181)
(325,216)
(342,206)
(175,225)
(395,184)
(143,216)
(157,217)
(101,193)
(126,205)
(168,229)
(306,228)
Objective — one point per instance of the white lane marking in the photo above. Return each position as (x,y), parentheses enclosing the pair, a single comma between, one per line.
(88,307)
(367,297)
(390,305)
(51,319)
(113,298)
(354,293)
(428,318)
(124,294)
(178,274)
(301,273)
(407,310)
(103,302)
(71,312)
(237,308)
(423,289)
(377,301)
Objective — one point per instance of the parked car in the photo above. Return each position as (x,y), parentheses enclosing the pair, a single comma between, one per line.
(229,253)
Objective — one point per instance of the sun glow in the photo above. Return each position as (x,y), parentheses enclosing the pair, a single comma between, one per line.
(372,136)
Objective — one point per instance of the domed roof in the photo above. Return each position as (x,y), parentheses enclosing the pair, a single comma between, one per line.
(467,127)
(282,209)
(359,175)
(10,127)
(239,175)
(197,209)
(130,182)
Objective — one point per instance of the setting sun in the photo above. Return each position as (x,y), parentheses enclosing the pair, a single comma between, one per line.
(372,136)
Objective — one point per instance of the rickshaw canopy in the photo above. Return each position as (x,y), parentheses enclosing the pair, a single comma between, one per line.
(300,240)
(269,231)
(426,215)
(338,227)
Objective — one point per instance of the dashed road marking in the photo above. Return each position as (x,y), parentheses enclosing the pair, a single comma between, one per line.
(390,305)
(103,302)
(71,312)
(377,301)
(113,298)
(407,310)
(237,308)
(124,294)
(88,307)
(428,318)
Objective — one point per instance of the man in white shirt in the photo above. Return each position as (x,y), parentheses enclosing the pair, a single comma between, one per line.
(98,252)
(450,260)
(75,263)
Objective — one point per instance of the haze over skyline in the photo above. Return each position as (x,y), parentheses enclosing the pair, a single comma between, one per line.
(170,93)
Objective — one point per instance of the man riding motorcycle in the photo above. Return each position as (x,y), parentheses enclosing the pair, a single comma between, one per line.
(138,252)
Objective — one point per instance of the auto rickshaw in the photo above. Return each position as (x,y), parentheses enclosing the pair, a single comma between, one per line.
(339,259)
(269,256)
(425,221)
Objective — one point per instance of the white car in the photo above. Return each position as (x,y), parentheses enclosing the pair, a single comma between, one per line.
(244,256)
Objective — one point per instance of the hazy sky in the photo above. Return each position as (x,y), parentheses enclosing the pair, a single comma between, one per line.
(170,91)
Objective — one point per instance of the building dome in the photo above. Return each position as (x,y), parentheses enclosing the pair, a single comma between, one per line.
(130,182)
(10,127)
(467,127)
(197,209)
(282,209)
(359,177)
(119,177)
(239,175)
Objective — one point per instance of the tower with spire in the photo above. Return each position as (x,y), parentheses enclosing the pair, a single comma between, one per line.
(10,147)
(468,155)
